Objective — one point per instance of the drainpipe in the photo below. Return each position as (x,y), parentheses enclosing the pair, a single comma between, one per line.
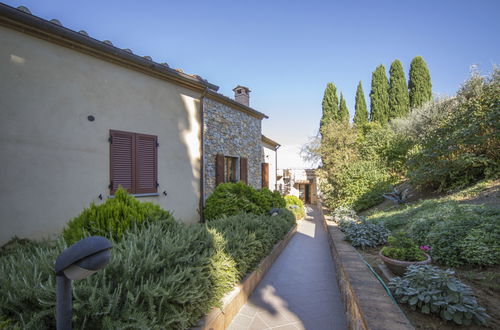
(276,166)
(202,158)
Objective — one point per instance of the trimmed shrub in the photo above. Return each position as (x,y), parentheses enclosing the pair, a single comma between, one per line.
(293,200)
(162,274)
(429,289)
(112,218)
(401,247)
(296,206)
(251,237)
(235,198)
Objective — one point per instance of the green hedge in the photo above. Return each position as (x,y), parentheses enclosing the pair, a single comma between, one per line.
(235,198)
(162,274)
(112,218)
(251,237)
(295,204)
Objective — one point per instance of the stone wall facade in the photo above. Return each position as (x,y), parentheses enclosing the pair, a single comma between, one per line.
(232,133)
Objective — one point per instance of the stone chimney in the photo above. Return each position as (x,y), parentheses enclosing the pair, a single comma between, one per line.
(242,95)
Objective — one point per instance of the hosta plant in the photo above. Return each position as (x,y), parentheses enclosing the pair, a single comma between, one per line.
(430,289)
(362,233)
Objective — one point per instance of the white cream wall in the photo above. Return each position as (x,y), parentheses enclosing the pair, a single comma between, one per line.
(55,161)
(270,157)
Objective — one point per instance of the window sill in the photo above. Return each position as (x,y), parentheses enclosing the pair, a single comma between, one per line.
(139,195)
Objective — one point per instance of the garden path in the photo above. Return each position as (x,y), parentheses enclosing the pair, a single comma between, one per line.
(300,290)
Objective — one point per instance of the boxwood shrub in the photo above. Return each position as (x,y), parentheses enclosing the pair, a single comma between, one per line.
(295,204)
(235,198)
(113,217)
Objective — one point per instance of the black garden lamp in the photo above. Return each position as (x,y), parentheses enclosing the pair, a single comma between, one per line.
(77,262)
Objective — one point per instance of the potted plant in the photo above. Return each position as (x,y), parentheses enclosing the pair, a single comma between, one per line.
(403,252)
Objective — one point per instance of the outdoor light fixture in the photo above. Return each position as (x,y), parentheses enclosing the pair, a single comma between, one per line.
(80,260)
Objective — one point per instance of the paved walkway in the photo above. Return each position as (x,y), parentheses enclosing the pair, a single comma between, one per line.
(300,290)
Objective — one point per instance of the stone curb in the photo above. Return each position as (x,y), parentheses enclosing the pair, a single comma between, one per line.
(220,318)
(368,306)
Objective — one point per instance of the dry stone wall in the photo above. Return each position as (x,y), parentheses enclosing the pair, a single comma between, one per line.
(232,133)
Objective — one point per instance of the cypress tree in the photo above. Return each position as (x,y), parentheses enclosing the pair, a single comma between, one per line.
(399,102)
(361,114)
(379,96)
(420,82)
(330,105)
(343,111)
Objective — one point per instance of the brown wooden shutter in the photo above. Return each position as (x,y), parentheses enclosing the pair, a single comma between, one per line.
(244,170)
(122,155)
(219,169)
(146,168)
(265,175)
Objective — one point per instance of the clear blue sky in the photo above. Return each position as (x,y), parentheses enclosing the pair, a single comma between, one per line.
(286,51)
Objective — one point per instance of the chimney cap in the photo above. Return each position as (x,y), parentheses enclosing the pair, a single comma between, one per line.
(242,87)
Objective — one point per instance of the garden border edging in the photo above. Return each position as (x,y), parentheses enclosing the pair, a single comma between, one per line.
(220,318)
(368,306)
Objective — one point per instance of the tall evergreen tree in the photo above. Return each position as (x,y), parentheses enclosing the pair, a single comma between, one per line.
(420,82)
(330,105)
(379,96)
(361,113)
(399,101)
(343,111)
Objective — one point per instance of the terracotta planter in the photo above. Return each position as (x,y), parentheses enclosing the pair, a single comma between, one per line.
(398,267)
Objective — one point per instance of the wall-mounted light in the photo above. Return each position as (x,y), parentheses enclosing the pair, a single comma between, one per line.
(90,118)
(164,193)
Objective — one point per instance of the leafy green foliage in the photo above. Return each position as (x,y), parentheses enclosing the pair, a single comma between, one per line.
(360,185)
(293,200)
(420,82)
(429,289)
(234,198)
(330,106)
(399,102)
(113,217)
(295,204)
(361,111)
(458,234)
(461,144)
(162,274)
(251,237)
(358,231)
(343,111)
(402,247)
(379,96)
(360,163)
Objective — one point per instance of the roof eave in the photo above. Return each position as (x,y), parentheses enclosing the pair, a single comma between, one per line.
(36,26)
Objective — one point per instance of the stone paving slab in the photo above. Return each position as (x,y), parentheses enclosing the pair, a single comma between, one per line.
(300,290)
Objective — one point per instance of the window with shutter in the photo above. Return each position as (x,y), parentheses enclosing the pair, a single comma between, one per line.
(244,170)
(219,169)
(133,162)
(265,175)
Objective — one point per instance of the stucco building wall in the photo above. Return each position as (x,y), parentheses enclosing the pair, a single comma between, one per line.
(55,161)
(231,133)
